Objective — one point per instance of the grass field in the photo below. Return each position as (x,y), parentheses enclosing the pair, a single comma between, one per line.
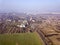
(20,39)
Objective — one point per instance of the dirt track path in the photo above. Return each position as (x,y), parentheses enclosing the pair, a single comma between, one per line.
(42,37)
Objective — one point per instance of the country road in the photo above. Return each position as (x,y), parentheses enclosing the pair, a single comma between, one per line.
(44,38)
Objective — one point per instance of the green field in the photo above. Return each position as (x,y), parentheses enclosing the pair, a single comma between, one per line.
(20,39)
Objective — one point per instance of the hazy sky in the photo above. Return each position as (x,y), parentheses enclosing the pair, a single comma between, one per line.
(30,5)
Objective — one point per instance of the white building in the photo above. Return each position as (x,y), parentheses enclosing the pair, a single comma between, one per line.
(25,22)
(22,25)
(8,20)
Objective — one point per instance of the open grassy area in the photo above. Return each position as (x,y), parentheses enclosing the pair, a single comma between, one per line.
(20,39)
